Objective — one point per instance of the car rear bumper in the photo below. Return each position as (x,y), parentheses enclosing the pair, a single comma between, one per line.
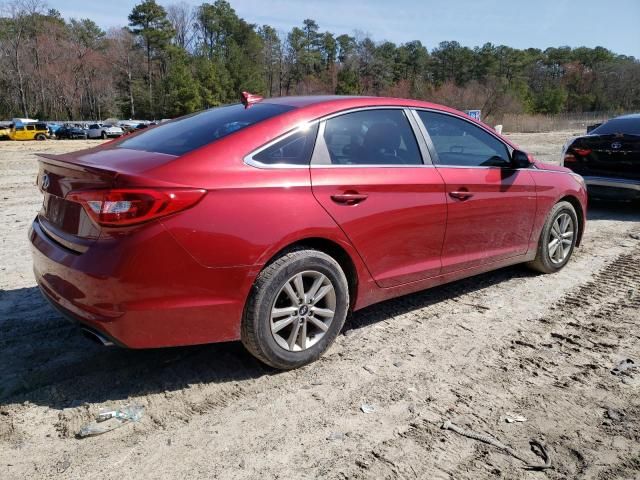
(142,290)
(612,187)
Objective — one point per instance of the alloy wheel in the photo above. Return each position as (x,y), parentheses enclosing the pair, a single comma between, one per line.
(303,310)
(561,238)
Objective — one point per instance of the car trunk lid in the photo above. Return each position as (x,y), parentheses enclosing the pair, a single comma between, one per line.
(66,221)
(613,155)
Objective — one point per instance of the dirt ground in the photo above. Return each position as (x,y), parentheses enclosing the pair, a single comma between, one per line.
(506,343)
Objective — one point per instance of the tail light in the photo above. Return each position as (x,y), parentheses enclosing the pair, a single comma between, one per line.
(583,152)
(569,158)
(123,207)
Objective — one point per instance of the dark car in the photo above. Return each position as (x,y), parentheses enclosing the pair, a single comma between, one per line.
(270,222)
(71,132)
(608,158)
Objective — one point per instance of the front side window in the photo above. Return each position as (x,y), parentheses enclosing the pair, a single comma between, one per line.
(294,149)
(460,143)
(370,137)
(31,127)
(199,129)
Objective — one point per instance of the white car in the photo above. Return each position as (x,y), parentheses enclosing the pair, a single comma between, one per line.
(99,130)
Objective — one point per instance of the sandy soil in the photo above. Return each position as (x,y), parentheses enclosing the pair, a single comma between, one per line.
(546,147)
(508,341)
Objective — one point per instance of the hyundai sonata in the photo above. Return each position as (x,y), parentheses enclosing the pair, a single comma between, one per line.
(268,221)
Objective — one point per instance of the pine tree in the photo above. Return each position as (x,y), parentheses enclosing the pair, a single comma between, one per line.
(148,20)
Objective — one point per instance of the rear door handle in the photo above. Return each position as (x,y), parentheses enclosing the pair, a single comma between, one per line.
(461,195)
(349,198)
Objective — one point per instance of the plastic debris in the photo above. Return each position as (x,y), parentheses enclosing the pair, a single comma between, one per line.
(110,419)
(510,417)
(623,366)
(367,408)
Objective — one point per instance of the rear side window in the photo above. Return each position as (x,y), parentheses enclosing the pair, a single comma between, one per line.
(460,143)
(294,149)
(370,137)
(194,131)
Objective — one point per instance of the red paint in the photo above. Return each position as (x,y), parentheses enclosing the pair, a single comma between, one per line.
(184,278)
(493,222)
(410,200)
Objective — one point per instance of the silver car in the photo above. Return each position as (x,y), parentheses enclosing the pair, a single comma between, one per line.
(100,130)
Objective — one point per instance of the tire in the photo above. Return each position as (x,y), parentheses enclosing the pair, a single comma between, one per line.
(41,137)
(269,292)
(104,136)
(549,260)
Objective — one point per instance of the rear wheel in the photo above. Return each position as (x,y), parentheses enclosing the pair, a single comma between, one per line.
(557,240)
(296,309)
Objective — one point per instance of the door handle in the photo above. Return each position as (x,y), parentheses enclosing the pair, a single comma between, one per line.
(349,198)
(461,195)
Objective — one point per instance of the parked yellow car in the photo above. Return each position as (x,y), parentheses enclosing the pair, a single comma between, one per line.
(29,131)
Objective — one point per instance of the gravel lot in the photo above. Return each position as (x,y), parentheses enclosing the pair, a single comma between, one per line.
(503,343)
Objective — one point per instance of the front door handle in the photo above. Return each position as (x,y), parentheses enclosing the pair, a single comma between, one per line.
(349,198)
(461,195)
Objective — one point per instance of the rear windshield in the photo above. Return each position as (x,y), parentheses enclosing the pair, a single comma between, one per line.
(630,126)
(194,131)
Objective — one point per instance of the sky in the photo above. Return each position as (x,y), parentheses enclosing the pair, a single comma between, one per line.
(613,24)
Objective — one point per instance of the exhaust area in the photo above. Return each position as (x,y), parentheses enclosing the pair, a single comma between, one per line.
(96,337)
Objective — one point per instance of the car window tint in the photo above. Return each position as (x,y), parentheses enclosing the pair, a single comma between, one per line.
(371,137)
(19,128)
(196,130)
(294,149)
(461,143)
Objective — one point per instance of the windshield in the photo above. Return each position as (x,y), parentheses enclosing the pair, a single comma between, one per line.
(199,129)
(630,126)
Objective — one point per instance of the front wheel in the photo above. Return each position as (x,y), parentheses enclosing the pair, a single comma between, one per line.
(41,137)
(104,135)
(557,240)
(296,309)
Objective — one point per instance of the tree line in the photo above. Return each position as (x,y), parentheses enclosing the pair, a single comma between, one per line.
(173,60)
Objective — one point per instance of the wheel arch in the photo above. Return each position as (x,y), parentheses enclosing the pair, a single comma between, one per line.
(579,213)
(335,251)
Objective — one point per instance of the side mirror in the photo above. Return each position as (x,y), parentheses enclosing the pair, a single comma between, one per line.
(520,159)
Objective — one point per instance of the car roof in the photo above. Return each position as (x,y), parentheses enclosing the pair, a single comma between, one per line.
(630,116)
(309,107)
(340,102)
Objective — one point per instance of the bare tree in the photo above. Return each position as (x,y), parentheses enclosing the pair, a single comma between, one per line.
(182,17)
(20,15)
(123,53)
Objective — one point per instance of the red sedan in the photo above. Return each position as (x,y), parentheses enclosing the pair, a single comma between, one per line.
(269,221)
